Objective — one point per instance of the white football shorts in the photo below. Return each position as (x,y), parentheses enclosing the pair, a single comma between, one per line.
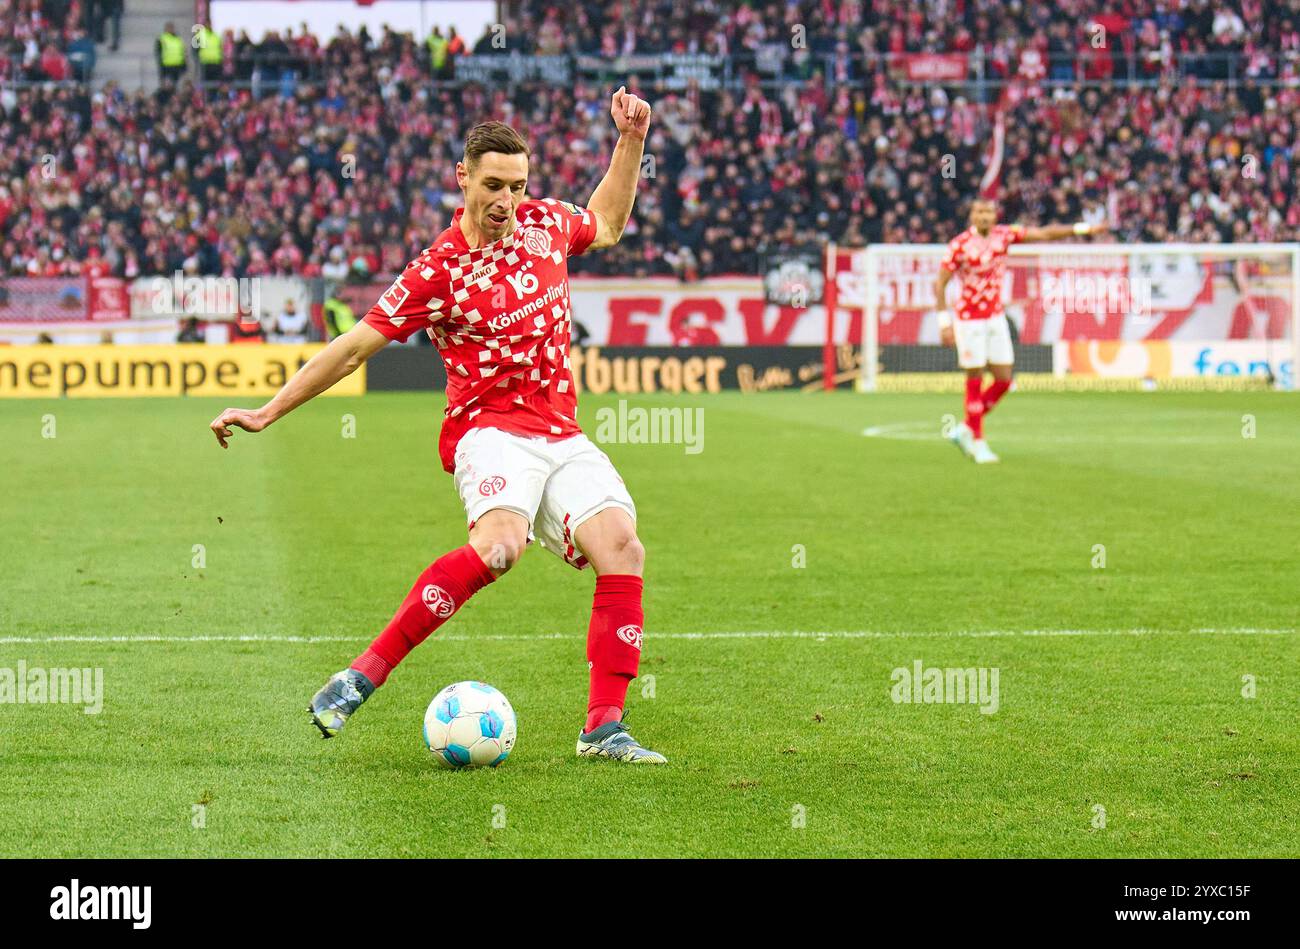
(983,342)
(556,484)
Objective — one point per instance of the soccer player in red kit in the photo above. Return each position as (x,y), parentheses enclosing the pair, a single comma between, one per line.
(492,291)
(978,256)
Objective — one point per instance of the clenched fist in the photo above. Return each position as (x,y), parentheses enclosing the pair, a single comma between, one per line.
(631,115)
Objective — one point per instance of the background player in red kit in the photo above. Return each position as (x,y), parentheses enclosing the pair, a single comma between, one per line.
(978,257)
(492,291)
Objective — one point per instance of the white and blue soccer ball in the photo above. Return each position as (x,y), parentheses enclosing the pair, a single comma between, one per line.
(468,725)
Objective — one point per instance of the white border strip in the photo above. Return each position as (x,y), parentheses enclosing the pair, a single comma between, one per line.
(752,634)
(1059,249)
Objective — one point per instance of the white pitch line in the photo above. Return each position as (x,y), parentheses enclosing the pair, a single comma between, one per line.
(753,634)
(925,432)
(906,431)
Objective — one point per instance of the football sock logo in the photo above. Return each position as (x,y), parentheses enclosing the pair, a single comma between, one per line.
(630,634)
(438,601)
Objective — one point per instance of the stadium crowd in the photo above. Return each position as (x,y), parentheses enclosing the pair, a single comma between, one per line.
(45,40)
(353,175)
(1141,39)
(1152,31)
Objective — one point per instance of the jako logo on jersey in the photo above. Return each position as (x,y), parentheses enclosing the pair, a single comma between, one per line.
(490,486)
(630,635)
(438,601)
(524,284)
(488,271)
(394,297)
(537,242)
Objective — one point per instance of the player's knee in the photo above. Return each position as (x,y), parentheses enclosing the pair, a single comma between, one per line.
(622,552)
(499,550)
(634,554)
(499,538)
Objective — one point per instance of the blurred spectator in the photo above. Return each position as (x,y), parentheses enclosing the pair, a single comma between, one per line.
(190,332)
(171,54)
(81,56)
(290,326)
(485,45)
(208,55)
(455,47)
(338,316)
(437,44)
(245,328)
(54,65)
(110,13)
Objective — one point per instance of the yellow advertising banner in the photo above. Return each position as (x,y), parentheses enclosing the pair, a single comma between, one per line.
(1128,358)
(199,370)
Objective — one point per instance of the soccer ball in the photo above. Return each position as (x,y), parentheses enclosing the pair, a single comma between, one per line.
(469,724)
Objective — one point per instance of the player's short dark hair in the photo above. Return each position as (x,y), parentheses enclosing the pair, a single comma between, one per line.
(970,204)
(492,137)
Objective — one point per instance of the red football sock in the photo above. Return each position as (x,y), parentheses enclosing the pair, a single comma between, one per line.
(974,406)
(602,714)
(442,588)
(996,390)
(613,645)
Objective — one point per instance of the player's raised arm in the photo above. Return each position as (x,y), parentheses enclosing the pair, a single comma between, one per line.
(340,358)
(612,200)
(1056,232)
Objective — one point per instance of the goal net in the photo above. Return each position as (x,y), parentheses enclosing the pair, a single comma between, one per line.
(1082,315)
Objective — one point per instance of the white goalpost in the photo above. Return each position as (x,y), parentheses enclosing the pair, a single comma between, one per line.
(1083,315)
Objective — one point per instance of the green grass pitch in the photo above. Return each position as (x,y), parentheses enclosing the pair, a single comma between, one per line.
(1129,736)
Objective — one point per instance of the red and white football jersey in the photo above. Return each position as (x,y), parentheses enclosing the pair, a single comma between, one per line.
(981,263)
(500,316)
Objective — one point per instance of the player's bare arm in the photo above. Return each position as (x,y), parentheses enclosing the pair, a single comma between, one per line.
(337,360)
(612,200)
(946,336)
(1056,232)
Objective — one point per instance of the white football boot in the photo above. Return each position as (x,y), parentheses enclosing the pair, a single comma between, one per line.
(982,453)
(964,439)
(334,704)
(612,740)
